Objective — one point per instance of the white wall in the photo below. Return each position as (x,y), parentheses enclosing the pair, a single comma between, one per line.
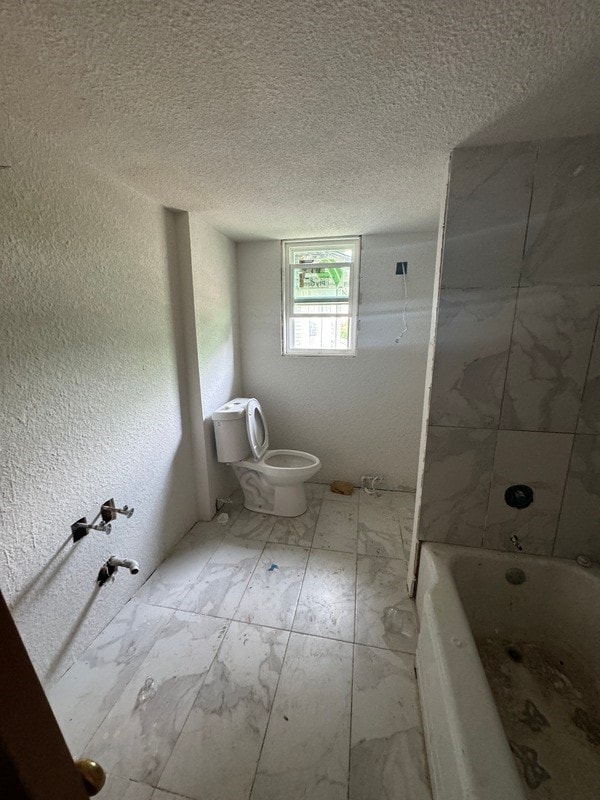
(358,415)
(214,277)
(90,350)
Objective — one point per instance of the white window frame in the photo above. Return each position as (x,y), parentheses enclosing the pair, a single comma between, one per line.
(288,299)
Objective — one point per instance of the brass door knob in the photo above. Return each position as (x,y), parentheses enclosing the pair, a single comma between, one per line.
(92,775)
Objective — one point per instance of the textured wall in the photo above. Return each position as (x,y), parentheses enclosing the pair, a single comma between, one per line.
(90,404)
(214,275)
(516,376)
(358,415)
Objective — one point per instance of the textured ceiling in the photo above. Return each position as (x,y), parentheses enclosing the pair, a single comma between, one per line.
(303,118)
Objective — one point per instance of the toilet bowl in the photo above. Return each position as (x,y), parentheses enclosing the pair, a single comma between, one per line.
(272,480)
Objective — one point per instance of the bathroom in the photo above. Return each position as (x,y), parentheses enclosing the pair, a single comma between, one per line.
(152,166)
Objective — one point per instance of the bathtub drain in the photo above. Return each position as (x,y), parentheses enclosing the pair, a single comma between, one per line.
(515,576)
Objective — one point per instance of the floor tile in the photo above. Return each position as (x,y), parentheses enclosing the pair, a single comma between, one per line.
(171,581)
(297,530)
(88,690)
(315,491)
(250,525)
(397,500)
(138,736)
(200,736)
(385,615)
(305,754)
(337,527)
(387,756)
(379,532)
(216,755)
(223,581)
(272,594)
(341,498)
(327,600)
(407,521)
(117,788)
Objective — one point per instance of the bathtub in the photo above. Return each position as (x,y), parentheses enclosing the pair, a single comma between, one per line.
(463,595)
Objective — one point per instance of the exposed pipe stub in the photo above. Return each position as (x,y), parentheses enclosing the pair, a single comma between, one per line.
(519,496)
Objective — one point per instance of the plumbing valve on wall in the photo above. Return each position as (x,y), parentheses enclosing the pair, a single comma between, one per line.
(82,527)
(103,522)
(108,514)
(109,569)
(109,511)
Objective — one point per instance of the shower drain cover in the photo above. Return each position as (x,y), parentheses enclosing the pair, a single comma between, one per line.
(518,496)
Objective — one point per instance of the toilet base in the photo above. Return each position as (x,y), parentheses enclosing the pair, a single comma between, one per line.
(264,498)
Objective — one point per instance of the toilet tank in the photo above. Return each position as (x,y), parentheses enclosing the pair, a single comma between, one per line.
(231,434)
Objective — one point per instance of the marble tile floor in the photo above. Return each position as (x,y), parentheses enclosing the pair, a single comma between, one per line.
(281,653)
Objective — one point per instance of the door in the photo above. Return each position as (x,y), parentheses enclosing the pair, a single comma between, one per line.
(35,763)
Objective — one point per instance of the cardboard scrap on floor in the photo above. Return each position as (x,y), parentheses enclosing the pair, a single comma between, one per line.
(341,487)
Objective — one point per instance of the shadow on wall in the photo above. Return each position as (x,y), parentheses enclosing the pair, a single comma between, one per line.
(522,122)
(54,665)
(169,496)
(44,586)
(46,576)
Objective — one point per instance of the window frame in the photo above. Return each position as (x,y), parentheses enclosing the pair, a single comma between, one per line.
(287,298)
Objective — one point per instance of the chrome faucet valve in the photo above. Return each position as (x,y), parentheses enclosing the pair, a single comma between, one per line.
(109,511)
(82,527)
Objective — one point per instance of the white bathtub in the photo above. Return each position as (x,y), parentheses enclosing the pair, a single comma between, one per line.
(462,594)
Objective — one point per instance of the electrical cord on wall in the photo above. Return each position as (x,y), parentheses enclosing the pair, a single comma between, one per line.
(404,309)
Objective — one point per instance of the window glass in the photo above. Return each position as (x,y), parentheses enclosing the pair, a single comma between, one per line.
(320,296)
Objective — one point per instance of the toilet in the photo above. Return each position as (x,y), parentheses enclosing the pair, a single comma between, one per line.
(272,480)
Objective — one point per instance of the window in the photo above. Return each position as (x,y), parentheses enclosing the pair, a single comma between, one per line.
(320,296)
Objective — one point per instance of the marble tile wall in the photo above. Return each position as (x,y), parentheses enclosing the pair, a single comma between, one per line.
(516,378)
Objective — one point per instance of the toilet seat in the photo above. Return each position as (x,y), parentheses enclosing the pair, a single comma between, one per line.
(256,425)
(284,467)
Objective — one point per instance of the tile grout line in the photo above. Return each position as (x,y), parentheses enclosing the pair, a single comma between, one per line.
(260,555)
(262,744)
(595,338)
(210,666)
(513,430)
(563,494)
(143,660)
(310,550)
(200,574)
(352,678)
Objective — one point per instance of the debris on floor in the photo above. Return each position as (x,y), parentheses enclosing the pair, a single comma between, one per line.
(147,692)
(273,567)
(342,487)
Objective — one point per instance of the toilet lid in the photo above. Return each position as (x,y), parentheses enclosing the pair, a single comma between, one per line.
(258,433)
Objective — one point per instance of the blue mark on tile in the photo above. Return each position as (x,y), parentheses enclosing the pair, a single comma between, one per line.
(273,567)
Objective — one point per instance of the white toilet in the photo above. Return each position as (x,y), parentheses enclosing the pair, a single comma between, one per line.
(272,480)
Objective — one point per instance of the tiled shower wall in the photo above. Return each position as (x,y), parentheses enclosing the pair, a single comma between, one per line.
(516,379)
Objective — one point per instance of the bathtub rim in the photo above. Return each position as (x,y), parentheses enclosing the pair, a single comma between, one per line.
(468,753)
